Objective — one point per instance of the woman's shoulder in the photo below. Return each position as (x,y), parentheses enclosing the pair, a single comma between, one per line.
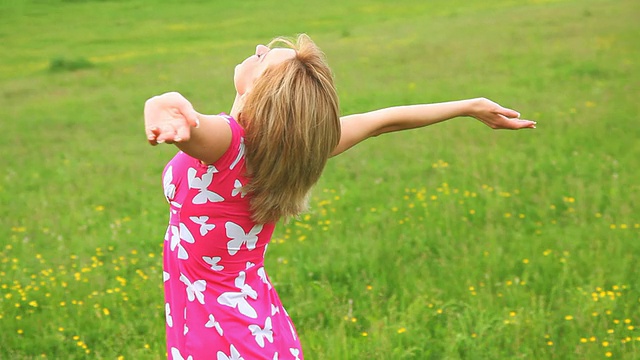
(231,158)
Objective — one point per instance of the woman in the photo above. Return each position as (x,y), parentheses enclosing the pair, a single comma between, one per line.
(238,174)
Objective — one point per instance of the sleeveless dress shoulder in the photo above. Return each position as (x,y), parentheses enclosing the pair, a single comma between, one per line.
(219,301)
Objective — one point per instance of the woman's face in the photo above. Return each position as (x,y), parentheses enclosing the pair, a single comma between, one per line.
(253,66)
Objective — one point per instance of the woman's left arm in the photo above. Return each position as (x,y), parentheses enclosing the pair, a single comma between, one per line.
(170,118)
(359,127)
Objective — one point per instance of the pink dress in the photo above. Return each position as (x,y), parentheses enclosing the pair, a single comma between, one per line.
(220,303)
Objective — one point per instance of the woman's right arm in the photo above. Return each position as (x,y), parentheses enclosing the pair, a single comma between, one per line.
(170,118)
(359,127)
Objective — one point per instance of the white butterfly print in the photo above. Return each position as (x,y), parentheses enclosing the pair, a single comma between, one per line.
(185,329)
(212,323)
(167,312)
(165,276)
(239,298)
(213,261)
(293,331)
(240,154)
(239,237)
(167,183)
(233,355)
(249,265)
(263,277)
(274,309)
(202,221)
(195,289)
(275,356)
(177,235)
(295,352)
(202,184)
(212,169)
(261,334)
(237,189)
(175,355)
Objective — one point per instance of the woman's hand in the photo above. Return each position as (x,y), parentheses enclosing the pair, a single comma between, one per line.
(168,118)
(498,117)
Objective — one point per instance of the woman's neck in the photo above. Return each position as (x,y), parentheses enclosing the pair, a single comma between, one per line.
(237,106)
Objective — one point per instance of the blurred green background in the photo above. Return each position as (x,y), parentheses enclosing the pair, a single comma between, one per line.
(451,242)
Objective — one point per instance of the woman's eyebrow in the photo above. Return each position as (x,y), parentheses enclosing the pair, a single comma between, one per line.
(264,55)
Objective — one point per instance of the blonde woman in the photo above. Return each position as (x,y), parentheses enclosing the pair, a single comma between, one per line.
(236,175)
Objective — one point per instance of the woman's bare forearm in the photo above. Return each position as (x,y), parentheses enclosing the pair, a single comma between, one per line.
(359,127)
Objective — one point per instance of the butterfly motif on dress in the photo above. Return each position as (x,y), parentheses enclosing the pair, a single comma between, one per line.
(185,328)
(274,309)
(237,189)
(177,235)
(212,323)
(195,289)
(233,354)
(240,154)
(205,195)
(202,221)
(239,298)
(239,237)
(212,169)
(295,352)
(213,261)
(167,312)
(175,355)
(293,331)
(263,276)
(165,276)
(167,183)
(261,334)
(275,356)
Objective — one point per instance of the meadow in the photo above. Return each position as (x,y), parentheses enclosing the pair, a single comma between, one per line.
(449,242)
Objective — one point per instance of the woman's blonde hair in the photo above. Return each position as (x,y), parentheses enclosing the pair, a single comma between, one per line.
(292,124)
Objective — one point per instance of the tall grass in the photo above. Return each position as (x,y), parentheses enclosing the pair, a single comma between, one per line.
(453,242)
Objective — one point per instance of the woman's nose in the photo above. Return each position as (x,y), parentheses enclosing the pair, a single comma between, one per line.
(261,49)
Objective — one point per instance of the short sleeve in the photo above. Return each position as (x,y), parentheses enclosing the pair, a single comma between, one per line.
(235,153)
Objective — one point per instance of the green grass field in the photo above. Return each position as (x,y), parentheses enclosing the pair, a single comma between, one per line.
(451,242)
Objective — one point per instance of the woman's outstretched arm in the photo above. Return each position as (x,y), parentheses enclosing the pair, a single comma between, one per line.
(170,118)
(359,127)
